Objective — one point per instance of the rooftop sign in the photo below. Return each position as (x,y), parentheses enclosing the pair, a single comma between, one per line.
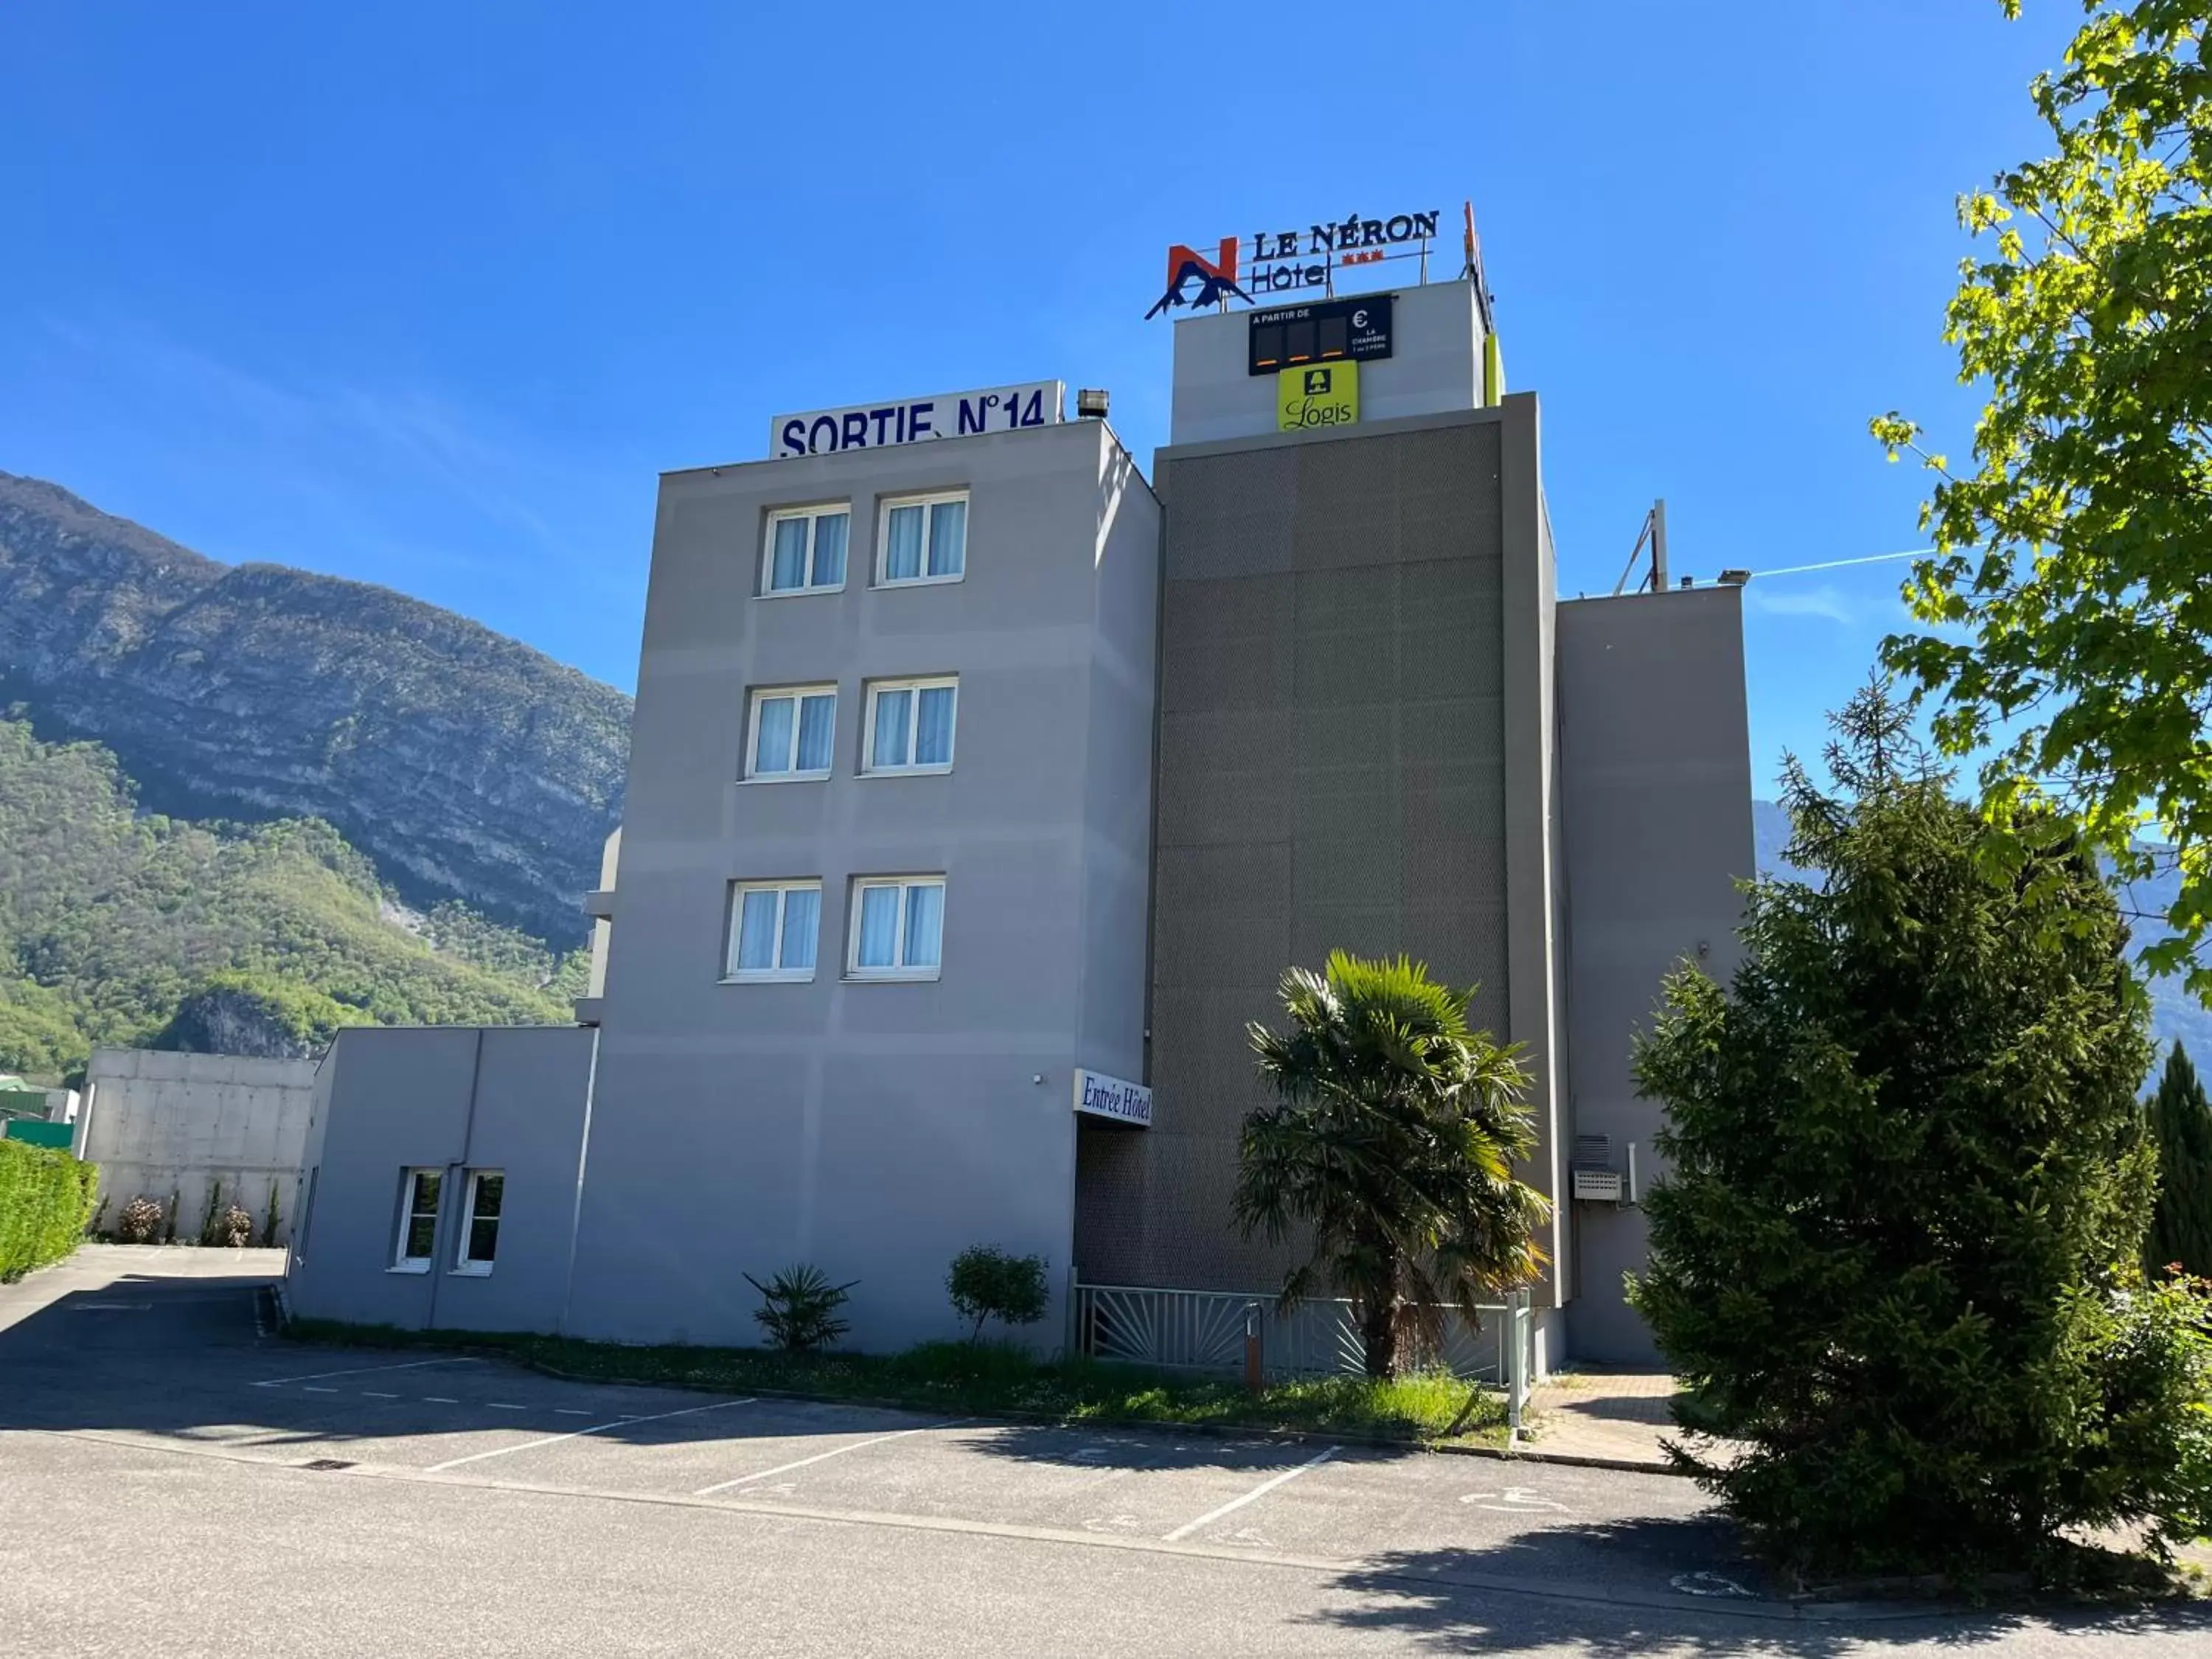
(914,419)
(1276,261)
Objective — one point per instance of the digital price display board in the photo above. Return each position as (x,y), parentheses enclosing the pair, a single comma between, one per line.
(1290,336)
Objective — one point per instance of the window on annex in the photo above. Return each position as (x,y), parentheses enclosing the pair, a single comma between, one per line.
(925,540)
(909,725)
(487,1190)
(898,927)
(418,1220)
(773,929)
(791,733)
(805,549)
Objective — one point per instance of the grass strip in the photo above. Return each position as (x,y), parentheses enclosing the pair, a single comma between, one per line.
(992,1379)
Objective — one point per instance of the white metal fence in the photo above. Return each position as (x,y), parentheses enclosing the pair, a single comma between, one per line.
(1207,1331)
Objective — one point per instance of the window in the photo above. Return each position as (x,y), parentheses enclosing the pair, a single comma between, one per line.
(805,551)
(772,927)
(418,1220)
(791,733)
(925,540)
(909,725)
(898,927)
(480,1235)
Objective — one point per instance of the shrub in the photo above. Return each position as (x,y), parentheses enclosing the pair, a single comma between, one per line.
(986,1282)
(140,1220)
(270,1222)
(169,1217)
(234,1227)
(799,1308)
(46,1199)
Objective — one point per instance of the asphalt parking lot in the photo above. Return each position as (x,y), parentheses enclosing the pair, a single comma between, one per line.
(147,1387)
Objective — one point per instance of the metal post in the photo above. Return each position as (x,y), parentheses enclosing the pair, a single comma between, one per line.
(1659,546)
(1254,1371)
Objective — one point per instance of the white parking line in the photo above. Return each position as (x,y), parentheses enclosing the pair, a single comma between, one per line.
(438,1400)
(858,1445)
(570,1411)
(1257,1492)
(578,1434)
(370,1394)
(362,1370)
(505,1406)
(312,1388)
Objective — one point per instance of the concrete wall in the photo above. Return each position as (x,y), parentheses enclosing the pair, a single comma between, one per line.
(1656,745)
(1435,367)
(1352,693)
(513,1099)
(158,1123)
(874,1129)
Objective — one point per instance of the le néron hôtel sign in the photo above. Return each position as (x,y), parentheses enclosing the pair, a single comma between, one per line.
(1324,332)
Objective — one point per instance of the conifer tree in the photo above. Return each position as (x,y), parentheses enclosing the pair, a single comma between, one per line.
(2181,1128)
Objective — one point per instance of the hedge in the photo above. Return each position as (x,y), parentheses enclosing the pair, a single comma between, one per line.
(46,1202)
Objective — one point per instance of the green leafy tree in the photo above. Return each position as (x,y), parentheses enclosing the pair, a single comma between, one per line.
(2181,1128)
(1392,1142)
(1893,1249)
(2072,582)
(985,1282)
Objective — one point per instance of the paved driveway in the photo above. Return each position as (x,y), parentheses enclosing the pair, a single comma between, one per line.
(200,1485)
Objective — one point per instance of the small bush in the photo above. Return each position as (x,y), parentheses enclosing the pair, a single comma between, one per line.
(270,1222)
(140,1220)
(799,1308)
(986,1282)
(46,1198)
(169,1217)
(234,1227)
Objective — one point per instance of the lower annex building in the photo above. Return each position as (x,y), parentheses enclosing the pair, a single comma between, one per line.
(980,793)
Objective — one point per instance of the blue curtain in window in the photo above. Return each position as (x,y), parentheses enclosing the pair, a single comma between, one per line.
(830,531)
(817,722)
(879,928)
(924,926)
(789,568)
(948,538)
(757,931)
(892,727)
(772,751)
(932,737)
(903,556)
(802,921)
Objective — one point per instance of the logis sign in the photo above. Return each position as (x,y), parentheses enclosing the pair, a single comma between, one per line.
(914,419)
(1097,1095)
(1275,262)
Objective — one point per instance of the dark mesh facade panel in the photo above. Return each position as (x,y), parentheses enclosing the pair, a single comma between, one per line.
(1331,773)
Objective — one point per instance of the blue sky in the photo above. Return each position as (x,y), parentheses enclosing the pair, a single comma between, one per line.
(428,295)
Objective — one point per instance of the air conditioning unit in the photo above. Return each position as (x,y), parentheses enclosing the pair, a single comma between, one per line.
(1590,1172)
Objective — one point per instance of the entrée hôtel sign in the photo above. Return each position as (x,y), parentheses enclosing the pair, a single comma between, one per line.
(914,419)
(1097,1095)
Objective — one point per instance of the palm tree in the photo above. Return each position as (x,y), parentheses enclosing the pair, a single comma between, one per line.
(1392,1140)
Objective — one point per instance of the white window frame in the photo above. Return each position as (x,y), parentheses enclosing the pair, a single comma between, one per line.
(410,1175)
(875,688)
(931,502)
(779,975)
(820,510)
(763,694)
(464,1263)
(896,975)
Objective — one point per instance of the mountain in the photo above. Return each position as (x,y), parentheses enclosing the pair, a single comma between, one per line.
(2174,1013)
(119,927)
(465,764)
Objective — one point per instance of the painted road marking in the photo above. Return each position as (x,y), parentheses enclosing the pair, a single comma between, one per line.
(1251,1497)
(311,1390)
(370,1394)
(505,1406)
(438,1400)
(360,1370)
(570,1411)
(578,1434)
(858,1445)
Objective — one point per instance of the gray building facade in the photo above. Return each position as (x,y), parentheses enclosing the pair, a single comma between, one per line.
(962,768)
